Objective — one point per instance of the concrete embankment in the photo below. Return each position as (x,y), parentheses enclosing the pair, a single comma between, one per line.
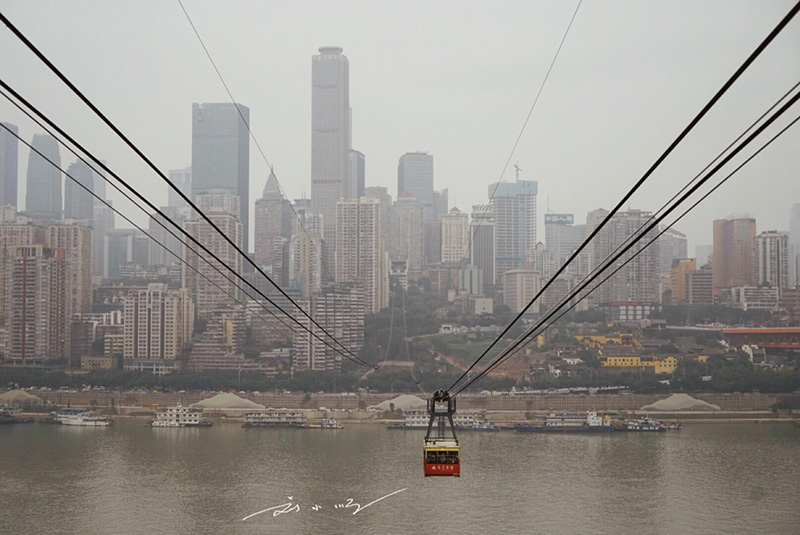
(555,402)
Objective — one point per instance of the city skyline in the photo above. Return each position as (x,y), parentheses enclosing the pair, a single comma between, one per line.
(283,132)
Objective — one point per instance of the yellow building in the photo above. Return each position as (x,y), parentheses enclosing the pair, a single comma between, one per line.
(664,365)
(622,362)
(702,358)
(598,341)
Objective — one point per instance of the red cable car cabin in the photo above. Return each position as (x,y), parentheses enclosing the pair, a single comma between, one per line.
(442,458)
(440,452)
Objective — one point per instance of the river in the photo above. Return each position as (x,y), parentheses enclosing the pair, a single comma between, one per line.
(132,479)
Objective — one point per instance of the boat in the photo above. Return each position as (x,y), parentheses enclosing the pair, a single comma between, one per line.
(590,422)
(11,415)
(645,424)
(179,416)
(81,417)
(466,421)
(327,423)
(275,419)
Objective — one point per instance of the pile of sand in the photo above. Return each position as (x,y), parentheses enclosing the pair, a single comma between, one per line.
(227,401)
(18,397)
(403,402)
(680,402)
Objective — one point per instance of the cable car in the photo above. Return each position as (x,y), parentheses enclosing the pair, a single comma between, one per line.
(441,455)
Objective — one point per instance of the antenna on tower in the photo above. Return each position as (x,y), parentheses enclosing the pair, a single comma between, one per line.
(548,203)
(518,169)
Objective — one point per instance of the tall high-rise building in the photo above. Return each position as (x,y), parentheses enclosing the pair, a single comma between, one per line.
(794,246)
(158,255)
(208,298)
(382,195)
(75,239)
(338,309)
(359,254)
(330,134)
(771,259)
(415,175)
(678,277)
(119,248)
(356,174)
(158,323)
(15,232)
(406,238)
(78,202)
(43,195)
(181,179)
(733,252)
(36,303)
(514,210)
(672,245)
(273,219)
(221,155)
(9,165)
(440,203)
(102,223)
(638,280)
(455,236)
(700,286)
(482,245)
(561,236)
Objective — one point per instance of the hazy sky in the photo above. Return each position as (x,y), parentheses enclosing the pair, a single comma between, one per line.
(455,79)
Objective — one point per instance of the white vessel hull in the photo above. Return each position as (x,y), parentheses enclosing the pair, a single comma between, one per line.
(87,423)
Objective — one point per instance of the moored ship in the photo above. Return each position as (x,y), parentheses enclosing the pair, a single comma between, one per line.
(466,421)
(179,416)
(645,424)
(275,419)
(11,415)
(590,422)
(327,423)
(81,417)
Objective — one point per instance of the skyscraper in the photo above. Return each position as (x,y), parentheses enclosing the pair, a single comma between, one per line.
(771,259)
(158,323)
(9,165)
(733,252)
(330,134)
(405,240)
(273,219)
(359,255)
(672,246)
(43,195)
(78,202)
(482,245)
(338,309)
(514,209)
(382,195)
(561,237)
(638,280)
(221,155)
(794,245)
(415,175)
(455,236)
(182,179)
(36,305)
(223,210)
(356,174)
(76,241)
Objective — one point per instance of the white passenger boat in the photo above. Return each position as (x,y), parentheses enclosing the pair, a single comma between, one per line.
(327,423)
(81,417)
(275,419)
(179,416)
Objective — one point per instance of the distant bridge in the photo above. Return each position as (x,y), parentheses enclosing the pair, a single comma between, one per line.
(771,338)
